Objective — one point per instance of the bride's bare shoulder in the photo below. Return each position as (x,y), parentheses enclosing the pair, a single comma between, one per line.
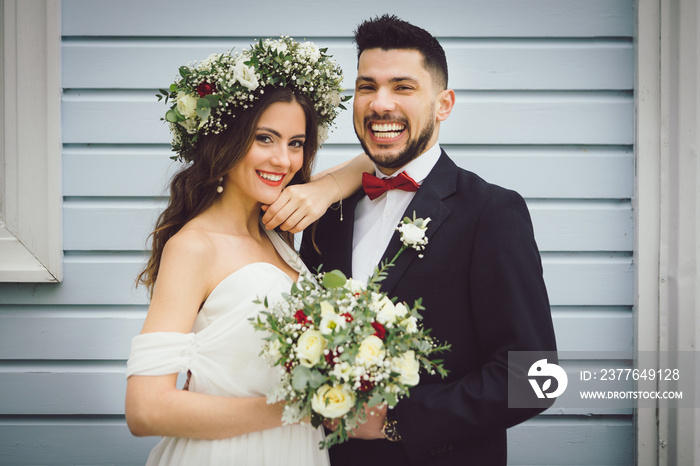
(191,241)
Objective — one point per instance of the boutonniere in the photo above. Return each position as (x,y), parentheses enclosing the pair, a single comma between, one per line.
(413,233)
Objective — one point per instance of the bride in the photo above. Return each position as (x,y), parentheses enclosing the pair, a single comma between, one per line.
(246,127)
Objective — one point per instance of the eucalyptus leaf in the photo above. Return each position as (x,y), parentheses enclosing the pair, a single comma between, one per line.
(375,400)
(203,113)
(171,116)
(213,100)
(316,380)
(334,279)
(300,377)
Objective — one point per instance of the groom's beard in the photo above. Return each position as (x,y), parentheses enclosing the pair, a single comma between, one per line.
(414,148)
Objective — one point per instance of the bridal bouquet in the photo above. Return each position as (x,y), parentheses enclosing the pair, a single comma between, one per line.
(343,344)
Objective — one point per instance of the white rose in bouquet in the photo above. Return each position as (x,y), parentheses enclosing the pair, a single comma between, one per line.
(310,348)
(407,366)
(355,286)
(371,351)
(326,308)
(387,311)
(332,402)
(410,324)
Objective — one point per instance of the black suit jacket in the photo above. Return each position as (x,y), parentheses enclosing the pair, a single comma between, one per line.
(481,282)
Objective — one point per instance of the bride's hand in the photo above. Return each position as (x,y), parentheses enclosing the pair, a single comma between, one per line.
(299,205)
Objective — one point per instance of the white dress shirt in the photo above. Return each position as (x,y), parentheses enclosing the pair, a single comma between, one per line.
(376,221)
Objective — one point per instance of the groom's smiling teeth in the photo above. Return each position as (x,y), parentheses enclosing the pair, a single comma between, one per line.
(270,176)
(387,130)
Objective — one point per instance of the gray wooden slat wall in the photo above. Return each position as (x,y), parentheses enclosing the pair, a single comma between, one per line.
(544,106)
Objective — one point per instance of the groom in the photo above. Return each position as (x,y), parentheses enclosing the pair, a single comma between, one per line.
(480,276)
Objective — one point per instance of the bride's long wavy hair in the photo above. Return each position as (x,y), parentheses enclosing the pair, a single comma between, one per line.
(193,189)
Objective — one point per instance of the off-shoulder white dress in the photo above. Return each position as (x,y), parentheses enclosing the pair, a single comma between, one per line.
(222,354)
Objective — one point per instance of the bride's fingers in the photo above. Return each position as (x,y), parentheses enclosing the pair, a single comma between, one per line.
(303,223)
(290,224)
(277,212)
(272,209)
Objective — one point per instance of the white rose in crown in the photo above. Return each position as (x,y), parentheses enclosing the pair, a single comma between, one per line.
(323,133)
(335,98)
(310,348)
(245,75)
(211,59)
(408,366)
(310,50)
(276,45)
(332,402)
(190,125)
(186,105)
(371,351)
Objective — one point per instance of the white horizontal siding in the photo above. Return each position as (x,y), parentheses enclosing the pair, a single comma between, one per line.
(99,388)
(476,64)
(573,279)
(444,18)
(124,224)
(559,440)
(90,333)
(553,172)
(544,107)
(567,117)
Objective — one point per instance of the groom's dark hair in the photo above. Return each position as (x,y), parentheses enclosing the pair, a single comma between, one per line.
(388,32)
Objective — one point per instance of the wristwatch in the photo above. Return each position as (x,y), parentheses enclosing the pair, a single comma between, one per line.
(390,430)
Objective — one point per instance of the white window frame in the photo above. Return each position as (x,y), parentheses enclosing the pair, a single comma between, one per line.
(30,153)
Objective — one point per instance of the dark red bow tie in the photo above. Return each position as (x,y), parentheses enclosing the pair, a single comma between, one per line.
(375,187)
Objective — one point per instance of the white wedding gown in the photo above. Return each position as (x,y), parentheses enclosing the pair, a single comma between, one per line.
(222,354)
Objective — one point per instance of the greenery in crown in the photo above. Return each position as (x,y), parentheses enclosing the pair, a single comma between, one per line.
(226,83)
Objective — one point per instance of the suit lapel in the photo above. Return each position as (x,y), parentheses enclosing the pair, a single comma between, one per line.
(428,202)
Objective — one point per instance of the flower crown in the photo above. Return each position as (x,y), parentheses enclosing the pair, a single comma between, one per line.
(225,83)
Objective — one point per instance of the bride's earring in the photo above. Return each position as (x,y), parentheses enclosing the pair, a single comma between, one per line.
(220,188)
